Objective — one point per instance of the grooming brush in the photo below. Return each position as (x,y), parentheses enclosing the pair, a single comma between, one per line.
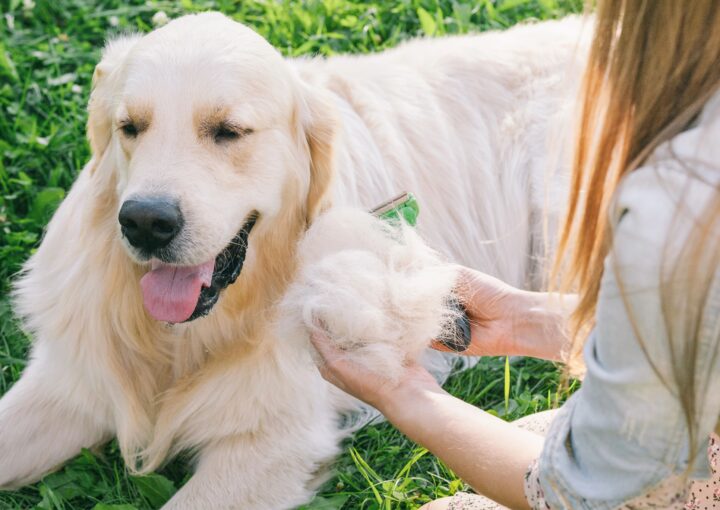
(405,208)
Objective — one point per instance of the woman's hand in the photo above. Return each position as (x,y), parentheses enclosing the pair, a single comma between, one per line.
(491,305)
(506,321)
(488,453)
(383,393)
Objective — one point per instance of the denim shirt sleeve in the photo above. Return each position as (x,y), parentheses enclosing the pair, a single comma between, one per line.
(624,431)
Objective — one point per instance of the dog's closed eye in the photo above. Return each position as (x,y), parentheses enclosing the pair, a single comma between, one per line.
(132,128)
(129,129)
(225,132)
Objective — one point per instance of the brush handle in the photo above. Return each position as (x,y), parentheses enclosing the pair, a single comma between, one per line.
(458,338)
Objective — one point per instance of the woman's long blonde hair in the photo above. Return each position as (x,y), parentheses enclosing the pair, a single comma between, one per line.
(652,66)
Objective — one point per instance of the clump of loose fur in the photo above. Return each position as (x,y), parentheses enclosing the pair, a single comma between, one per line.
(377,289)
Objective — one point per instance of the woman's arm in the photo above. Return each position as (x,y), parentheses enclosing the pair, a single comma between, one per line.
(488,453)
(506,321)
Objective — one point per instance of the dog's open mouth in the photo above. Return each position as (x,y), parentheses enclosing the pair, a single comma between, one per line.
(176,294)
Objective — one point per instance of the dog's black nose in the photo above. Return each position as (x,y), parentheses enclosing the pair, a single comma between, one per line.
(150,223)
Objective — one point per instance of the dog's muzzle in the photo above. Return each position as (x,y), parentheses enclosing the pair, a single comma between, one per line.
(175,293)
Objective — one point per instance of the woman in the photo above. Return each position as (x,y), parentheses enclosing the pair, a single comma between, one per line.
(641,245)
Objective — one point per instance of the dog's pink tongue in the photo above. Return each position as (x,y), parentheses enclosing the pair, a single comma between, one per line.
(171,293)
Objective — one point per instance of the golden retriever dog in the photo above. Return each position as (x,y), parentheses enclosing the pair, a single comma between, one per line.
(152,297)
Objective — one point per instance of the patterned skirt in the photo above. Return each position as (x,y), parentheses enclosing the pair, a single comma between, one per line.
(671,494)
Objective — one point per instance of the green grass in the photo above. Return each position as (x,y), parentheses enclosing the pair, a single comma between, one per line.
(47,53)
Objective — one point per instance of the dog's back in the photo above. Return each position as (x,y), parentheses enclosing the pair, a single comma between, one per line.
(465,123)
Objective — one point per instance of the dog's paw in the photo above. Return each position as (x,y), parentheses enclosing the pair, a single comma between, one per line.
(377,288)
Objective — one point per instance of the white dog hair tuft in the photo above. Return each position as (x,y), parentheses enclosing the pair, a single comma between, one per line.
(377,289)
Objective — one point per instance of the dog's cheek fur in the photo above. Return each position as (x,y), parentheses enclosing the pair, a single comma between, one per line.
(378,290)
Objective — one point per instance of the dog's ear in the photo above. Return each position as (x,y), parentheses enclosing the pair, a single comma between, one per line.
(320,132)
(105,84)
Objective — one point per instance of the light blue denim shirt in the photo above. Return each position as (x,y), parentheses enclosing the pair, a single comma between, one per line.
(624,431)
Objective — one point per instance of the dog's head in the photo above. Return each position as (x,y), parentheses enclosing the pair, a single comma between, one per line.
(208,138)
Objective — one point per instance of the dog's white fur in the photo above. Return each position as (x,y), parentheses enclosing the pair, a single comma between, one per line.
(376,288)
(463,122)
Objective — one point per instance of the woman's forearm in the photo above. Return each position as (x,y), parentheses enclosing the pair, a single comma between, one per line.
(488,453)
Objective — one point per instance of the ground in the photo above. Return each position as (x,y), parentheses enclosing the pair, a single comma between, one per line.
(48,49)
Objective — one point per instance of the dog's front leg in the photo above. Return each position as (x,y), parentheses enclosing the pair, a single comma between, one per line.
(47,417)
(252,473)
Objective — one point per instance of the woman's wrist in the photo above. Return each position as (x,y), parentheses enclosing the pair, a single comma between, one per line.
(539,324)
(407,401)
